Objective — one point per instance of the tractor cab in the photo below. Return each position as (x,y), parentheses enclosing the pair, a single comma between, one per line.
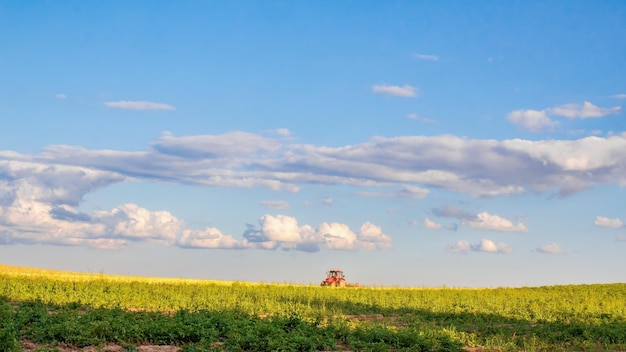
(335,274)
(334,278)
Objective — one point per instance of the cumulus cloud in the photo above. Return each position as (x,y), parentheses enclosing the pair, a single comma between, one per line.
(532,120)
(138,105)
(61,96)
(584,111)
(484,245)
(275,204)
(53,184)
(431,224)
(132,222)
(406,90)
(328,201)
(372,237)
(486,221)
(283,231)
(551,249)
(489,246)
(39,206)
(602,221)
(28,220)
(210,238)
(427,57)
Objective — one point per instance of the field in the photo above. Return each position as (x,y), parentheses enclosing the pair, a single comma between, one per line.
(47,310)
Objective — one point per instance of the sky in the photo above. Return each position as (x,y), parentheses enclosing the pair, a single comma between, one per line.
(409,143)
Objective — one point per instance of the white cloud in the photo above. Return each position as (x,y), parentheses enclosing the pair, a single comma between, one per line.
(532,120)
(32,213)
(586,110)
(406,90)
(138,105)
(484,245)
(61,96)
(619,96)
(372,237)
(239,159)
(275,204)
(210,237)
(412,192)
(328,201)
(228,145)
(486,221)
(427,57)
(551,249)
(459,247)
(431,224)
(283,231)
(539,120)
(602,221)
(449,211)
(404,192)
(28,220)
(130,221)
(285,132)
(337,236)
(489,246)
(415,116)
(52,183)
(281,228)
(481,221)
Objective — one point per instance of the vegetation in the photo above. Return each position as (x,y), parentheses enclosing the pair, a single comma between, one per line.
(54,309)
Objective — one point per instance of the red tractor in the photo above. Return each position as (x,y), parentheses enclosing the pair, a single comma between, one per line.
(334,278)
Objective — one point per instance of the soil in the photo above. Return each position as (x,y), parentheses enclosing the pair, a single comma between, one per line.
(109,347)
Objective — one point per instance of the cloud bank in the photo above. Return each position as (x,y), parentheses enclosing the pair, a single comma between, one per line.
(411,164)
(282,231)
(40,193)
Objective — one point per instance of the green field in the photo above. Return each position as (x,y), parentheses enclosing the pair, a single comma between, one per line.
(49,310)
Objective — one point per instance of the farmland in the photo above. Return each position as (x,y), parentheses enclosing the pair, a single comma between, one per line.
(50,310)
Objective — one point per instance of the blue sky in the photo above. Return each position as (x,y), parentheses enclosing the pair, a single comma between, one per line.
(409,143)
